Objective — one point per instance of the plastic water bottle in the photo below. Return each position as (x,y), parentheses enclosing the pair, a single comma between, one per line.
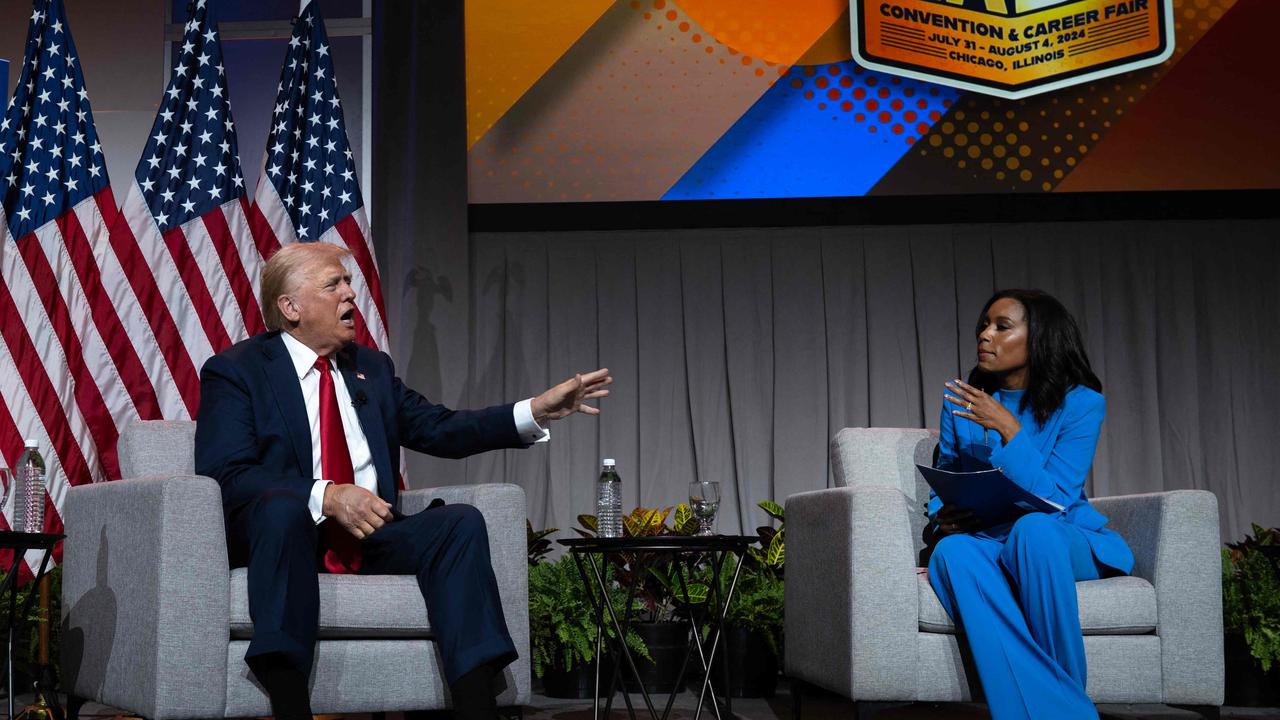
(609,501)
(28,499)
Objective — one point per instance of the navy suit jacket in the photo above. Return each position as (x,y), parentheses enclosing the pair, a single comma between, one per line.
(252,433)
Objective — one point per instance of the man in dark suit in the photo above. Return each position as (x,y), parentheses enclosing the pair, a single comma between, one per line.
(302,428)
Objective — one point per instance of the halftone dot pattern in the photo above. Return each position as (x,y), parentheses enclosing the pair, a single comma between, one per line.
(891,106)
(1033,143)
(667,17)
(769,29)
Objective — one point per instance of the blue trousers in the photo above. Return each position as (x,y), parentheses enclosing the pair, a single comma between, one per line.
(1013,597)
(446,547)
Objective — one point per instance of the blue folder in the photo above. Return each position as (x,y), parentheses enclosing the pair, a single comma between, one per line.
(994,498)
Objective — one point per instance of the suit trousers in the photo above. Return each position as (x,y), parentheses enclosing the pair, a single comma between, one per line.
(1013,598)
(446,547)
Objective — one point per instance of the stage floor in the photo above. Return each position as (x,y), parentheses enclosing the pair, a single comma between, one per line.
(816,707)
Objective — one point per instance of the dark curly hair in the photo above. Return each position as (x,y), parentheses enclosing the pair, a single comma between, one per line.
(1056,360)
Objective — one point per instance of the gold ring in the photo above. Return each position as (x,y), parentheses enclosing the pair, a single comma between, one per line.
(969,407)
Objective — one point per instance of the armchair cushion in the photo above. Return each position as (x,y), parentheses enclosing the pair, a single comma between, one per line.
(351,606)
(1112,606)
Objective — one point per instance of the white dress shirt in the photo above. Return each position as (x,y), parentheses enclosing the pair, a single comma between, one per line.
(366,476)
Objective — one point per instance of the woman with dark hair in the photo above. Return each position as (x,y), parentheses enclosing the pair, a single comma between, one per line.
(1033,408)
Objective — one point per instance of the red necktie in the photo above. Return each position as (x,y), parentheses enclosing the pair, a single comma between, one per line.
(342,555)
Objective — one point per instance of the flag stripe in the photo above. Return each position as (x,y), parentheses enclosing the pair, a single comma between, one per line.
(215,224)
(88,395)
(250,258)
(40,388)
(264,237)
(10,441)
(201,298)
(10,450)
(273,219)
(208,261)
(354,239)
(110,329)
(362,329)
(164,329)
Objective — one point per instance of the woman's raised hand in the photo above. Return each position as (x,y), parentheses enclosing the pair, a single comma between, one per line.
(974,404)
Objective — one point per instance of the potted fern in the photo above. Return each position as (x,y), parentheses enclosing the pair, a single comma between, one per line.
(562,628)
(1251,618)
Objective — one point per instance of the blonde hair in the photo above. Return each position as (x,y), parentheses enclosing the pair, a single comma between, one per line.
(285,270)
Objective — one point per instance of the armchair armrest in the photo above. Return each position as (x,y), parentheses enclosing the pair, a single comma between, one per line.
(145,591)
(1175,541)
(852,602)
(504,511)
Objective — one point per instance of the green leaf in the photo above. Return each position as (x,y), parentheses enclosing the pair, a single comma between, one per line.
(777,552)
(683,515)
(589,522)
(668,582)
(697,593)
(633,526)
(658,520)
(685,523)
(773,509)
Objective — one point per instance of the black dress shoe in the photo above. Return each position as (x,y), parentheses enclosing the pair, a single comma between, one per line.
(285,684)
(473,695)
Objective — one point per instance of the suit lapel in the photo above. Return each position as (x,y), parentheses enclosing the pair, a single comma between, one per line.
(359,389)
(288,391)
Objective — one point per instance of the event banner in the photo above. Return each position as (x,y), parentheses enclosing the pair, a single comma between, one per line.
(655,100)
(1011,48)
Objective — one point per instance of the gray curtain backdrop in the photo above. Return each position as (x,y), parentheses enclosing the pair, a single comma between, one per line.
(737,354)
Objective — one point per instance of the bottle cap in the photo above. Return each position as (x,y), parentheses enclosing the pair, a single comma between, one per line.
(30,443)
(609,462)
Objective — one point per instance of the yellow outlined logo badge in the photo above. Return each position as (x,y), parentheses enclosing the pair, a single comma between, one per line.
(1010,48)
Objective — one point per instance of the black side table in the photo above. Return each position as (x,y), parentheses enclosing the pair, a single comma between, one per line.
(594,553)
(20,544)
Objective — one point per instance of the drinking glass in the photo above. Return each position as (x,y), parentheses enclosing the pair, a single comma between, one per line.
(704,500)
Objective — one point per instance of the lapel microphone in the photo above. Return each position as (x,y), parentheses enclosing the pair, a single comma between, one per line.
(359,399)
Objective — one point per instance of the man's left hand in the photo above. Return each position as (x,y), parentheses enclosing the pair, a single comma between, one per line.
(569,397)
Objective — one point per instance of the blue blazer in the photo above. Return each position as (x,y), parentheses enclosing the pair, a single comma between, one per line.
(1051,460)
(252,433)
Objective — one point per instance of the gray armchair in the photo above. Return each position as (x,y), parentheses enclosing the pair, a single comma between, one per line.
(862,621)
(156,623)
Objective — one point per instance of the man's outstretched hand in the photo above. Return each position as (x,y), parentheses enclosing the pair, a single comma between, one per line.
(569,397)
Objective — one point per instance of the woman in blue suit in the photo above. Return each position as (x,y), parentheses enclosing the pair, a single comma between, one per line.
(1033,408)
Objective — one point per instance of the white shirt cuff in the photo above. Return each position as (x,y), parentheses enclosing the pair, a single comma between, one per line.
(529,430)
(316,503)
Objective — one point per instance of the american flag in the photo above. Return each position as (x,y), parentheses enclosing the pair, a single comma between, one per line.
(186,220)
(308,191)
(72,367)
